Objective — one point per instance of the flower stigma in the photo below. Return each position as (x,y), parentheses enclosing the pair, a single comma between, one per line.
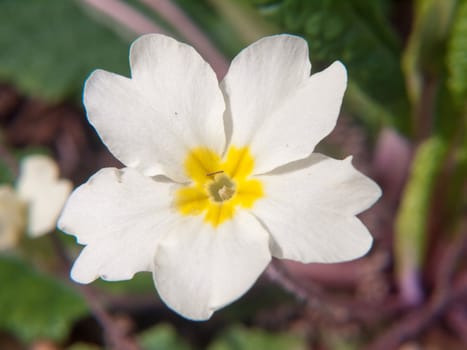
(221,188)
(218,187)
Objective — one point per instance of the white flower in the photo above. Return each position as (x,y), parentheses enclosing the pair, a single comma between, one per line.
(35,203)
(44,193)
(218,178)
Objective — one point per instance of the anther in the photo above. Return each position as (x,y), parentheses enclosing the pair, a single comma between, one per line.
(215,173)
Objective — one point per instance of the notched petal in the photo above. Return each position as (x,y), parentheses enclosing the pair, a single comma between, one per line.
(171,104)
(199,269)
(121,216)
(310,211)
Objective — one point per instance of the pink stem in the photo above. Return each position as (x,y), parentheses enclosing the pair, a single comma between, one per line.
(188,29)
(125,15)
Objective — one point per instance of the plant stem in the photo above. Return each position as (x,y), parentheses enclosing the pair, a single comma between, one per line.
(125,15)
(190,31)
(444,296)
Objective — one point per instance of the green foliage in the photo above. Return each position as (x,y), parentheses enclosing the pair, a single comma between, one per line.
(162,337)
(83,346)
(165,336)
(6,175)
(457,191)
(424,55)
(49,47)
(457,54)
(413,215)
(433,52)
(357,33)
(6,172)
(238,338)
(247,23)
(141,283)
(261,298)
(450,124)
(33,305)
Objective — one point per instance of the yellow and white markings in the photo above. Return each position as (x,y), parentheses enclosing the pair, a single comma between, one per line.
(219,187)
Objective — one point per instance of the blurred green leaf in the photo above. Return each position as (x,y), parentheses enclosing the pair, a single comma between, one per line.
(141,283)
(7,162)
(238,338)
(412,219)
(49,47)
(340,342)
(6,174)
(448,119)
(83,346)
(357,33)
(457,54)
(259,299)
(243,18)
(457,191)
(424,55)
(33,305)
(162,337)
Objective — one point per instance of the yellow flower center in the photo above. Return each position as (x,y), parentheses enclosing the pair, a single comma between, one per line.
(218,186)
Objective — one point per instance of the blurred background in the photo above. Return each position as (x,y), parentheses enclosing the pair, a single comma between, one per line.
(403,120)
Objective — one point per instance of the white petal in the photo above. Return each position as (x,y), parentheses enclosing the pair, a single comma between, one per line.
(172,103)
(275,106)
(310,212)
(199,269)
(39,186)
(118,214)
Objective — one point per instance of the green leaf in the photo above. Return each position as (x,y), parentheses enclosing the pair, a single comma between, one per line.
(457,191)
(33,305)
(6,174)
(243,18)
(83,346)
(424,55)
(457,54)
(412,219)
(357,33)
(162,337)
(142,283)
(49,47)
(239,338)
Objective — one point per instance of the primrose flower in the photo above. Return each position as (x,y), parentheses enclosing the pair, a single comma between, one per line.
(39,186)
(218,178)
(35,202)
